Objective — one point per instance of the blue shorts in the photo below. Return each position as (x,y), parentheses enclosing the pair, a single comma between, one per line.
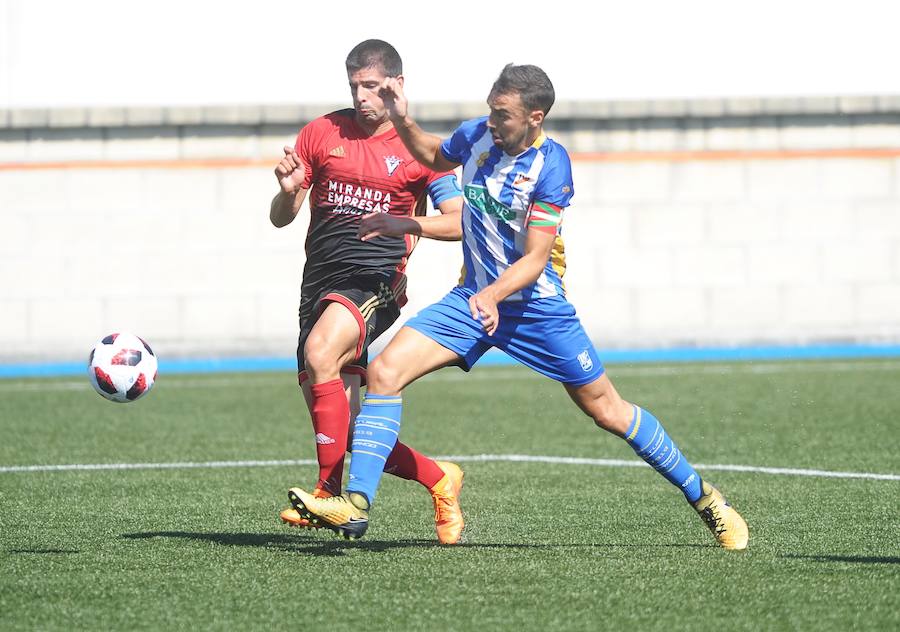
(543,334)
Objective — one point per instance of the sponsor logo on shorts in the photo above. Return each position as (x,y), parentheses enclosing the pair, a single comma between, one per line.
(585,359)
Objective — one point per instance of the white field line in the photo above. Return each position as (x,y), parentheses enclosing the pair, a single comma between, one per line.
(16,385)
(482,458)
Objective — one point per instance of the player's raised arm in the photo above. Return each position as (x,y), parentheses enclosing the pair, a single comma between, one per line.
(426,148)
(290,174)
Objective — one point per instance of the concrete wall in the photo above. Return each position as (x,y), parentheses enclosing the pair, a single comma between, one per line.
(694,222)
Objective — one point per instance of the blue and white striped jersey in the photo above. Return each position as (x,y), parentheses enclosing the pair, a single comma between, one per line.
(499,192)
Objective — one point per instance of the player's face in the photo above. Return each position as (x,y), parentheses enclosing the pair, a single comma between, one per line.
(364,84)
(513,127)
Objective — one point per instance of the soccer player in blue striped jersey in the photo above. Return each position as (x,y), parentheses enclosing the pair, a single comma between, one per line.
(516,184)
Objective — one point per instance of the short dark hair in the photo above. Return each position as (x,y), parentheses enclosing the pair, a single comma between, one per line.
(375,53)
(531,84)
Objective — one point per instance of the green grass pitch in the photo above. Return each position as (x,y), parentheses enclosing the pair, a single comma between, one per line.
(547,545)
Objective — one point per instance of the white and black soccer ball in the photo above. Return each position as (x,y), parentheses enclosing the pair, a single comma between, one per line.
(122,367)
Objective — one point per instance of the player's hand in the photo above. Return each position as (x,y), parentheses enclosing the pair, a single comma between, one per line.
(484,308)
(377,224)
(391,92)
(291,172)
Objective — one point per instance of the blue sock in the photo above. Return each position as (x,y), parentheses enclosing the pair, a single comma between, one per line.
(649,440)
(374,435)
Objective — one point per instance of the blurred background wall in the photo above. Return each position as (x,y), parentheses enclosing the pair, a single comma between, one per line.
(135,198)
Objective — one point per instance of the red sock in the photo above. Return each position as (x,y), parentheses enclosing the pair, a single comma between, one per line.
(413,466)
(331,421)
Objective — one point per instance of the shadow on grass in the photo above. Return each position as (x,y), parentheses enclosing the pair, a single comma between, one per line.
(42,551)
(856,559)
(326,544)
(312,544)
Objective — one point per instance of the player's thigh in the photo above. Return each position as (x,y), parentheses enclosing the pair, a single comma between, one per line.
(600,401)
(410,355)
(449,323)
(547,336)
(334,338)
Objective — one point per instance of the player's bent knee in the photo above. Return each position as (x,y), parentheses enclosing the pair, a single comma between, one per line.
(382,377)
(319,359)
(602,419)
(610,415)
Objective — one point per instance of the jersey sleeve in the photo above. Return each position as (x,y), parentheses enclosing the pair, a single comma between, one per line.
(554,185)
(458,147)
(552,193)
(306,147)
(443,187)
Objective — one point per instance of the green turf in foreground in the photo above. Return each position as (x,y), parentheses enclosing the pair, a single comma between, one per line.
(568,547)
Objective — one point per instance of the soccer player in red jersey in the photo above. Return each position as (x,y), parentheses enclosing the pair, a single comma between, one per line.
(516,184)
(367,210)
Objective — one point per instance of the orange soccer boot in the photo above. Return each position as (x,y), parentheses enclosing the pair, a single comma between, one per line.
(448,518)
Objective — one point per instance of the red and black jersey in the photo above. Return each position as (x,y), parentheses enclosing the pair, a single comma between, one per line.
(350,175)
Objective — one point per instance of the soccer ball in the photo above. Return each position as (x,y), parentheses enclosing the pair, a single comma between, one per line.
(122,367)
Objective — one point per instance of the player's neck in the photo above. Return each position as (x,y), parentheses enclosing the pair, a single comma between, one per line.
(373,128)
(532,137)
(527,142)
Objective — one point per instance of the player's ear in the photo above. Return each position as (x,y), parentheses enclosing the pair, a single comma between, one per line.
(400,80)
(536,118)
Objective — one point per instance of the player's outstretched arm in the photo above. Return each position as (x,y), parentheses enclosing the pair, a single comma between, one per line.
(448,225)
(426,148)
(524,272)
(290,173)
(445,227)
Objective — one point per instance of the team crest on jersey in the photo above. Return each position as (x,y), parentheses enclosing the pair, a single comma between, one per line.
(484,156)
(585,359)
(521,178)
(392,162)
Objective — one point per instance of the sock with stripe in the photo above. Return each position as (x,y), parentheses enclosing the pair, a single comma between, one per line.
(374,435)
(410,465)
(649,440)
(331,421)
